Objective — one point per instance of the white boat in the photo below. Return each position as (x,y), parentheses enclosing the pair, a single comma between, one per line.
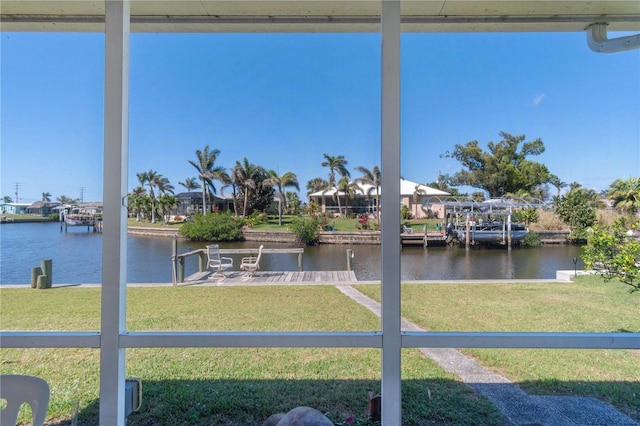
(487,222)
(79,217)
(497,232)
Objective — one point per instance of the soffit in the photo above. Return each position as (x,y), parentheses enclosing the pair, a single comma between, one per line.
(323,16)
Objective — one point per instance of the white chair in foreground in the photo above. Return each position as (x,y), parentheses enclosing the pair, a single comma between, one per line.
(217,263)
(17,389)
(251,264)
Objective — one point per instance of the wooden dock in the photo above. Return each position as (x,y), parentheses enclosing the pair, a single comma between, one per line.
(424,239)
(271,278)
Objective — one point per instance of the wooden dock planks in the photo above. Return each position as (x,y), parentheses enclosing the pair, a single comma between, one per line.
(273,278)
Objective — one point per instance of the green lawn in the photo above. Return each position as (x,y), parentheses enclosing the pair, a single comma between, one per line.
(244,386)
(25,218)
(589,305)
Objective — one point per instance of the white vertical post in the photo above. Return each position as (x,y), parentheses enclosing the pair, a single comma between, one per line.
(114,242)
(391,325)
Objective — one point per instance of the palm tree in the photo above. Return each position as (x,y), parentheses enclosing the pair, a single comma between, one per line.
(245,175)
(143,178)
(336,164)
(136,203)
(165,203)
(63,199)
(287,180)
(574,185)
(372,177)
(190,183)
(7,199)
(348,188)
(557,183)
(161,183)
(229,181)
(626,194)
(205,165)
(46,197)
(417,191)
(316,185)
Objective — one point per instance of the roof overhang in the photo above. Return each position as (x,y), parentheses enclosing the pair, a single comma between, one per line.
(323,16)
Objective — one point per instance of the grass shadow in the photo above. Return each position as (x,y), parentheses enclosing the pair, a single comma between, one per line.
(250,402)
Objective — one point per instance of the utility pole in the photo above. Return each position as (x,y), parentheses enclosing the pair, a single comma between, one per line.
(82,194)
(17,187)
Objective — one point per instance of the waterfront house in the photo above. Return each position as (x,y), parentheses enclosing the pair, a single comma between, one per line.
(14,208)
(422,201)
(42,208)
(190,203)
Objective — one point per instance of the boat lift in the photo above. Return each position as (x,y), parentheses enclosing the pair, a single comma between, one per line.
(473,231)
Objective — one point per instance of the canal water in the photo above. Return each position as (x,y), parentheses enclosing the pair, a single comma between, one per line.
(77,258)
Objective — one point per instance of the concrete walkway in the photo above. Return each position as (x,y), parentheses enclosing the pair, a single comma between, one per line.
(515,404)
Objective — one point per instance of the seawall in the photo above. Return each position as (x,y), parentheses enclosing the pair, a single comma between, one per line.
(333,237)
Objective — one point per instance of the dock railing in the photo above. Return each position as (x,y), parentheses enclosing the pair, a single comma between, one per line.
(179,260)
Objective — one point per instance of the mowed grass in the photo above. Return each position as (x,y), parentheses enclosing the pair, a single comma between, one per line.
(244,386)
(188,386)
(588,305)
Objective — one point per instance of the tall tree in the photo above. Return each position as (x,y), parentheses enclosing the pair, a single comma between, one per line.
(63,199)
(138,201)
(575,210)
(348,188)
(372,177)
(501,169)
(287,180)
(190,183)
(336,164)
(557,183)
(293,202)
(165,203)
(246,175)
(229,181)
(418,190)
(207,170)
(626,194)
(318,185)
(159,182)
(46,197)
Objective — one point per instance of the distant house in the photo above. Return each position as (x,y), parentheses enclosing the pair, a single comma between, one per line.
(422,201)
(14,208)
(42,208)
(191,203)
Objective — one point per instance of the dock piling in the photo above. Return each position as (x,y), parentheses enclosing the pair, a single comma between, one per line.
(42,276)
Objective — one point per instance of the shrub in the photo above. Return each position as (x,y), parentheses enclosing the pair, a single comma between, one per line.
(213,227)
(306,229)
(574,210)
(531,240)
(363,222)
(613,252)
(405,214)
(257,218)
(527,215)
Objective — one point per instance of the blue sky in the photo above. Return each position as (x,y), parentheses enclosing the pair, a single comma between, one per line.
(283,100)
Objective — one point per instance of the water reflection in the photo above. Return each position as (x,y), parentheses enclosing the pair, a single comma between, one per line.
(77,258)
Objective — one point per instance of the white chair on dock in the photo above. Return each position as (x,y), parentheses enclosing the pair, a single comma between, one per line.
(406,229)
(217,263)
(251,264)
(17,389)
